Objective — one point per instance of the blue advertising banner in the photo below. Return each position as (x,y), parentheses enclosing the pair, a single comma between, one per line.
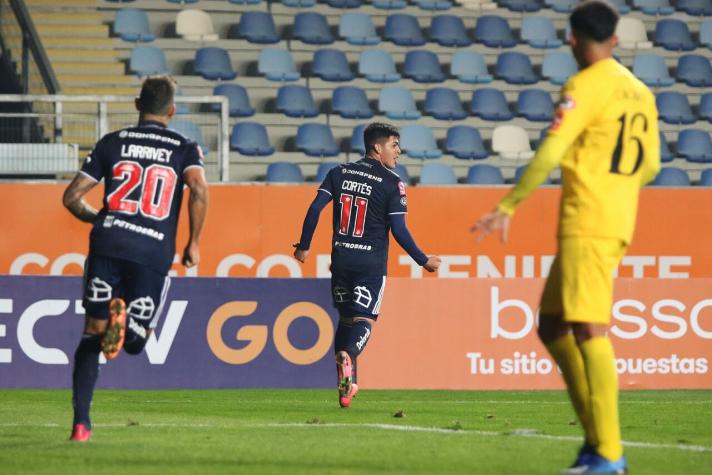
(213,333)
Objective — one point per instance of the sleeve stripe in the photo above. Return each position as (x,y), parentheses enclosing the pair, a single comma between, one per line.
(325,191)
(88,175)
(399,212)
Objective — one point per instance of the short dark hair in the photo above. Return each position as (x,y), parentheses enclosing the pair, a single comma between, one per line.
(376,131)
(594,20)
(156,96)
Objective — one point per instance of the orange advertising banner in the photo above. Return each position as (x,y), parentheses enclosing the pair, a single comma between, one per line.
(481,334)
(251,229)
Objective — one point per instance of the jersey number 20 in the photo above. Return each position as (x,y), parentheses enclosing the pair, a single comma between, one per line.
(157,183)
(348,202)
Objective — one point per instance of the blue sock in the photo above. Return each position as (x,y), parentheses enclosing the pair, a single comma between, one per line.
(86,370)
(352,339)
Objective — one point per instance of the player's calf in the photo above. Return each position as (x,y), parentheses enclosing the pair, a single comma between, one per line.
(113,339)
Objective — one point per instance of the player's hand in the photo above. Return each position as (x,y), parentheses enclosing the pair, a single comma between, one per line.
(300,254)
(490,222)
(432,264)
(191,255)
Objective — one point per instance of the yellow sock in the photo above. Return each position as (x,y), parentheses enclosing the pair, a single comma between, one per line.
(600,366)
(568,356)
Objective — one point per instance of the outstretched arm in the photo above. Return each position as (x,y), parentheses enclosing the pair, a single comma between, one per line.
(311,219)
(197,211)
(406,241)
(73,198)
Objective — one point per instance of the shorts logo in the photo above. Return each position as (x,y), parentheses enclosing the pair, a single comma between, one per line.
(98,291)
(142,308)
(363,296)
(341,295)
(136,328)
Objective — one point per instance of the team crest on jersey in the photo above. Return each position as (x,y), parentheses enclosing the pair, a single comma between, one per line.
(403,201)
(363,296)
(565,103)
(401,188)
(98,290)
(341,295)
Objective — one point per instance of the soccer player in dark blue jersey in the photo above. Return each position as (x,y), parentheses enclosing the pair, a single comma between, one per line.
(132,241)
(369,201)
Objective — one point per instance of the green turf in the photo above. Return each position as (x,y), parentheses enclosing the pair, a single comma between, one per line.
(304,431)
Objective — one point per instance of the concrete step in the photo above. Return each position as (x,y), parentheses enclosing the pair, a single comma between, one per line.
(82,54)
(56,41)
(66,18)
(97,79)
(68,68)
(101,90)
(63,4)
(61,30)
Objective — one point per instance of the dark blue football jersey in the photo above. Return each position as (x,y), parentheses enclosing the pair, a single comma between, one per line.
(364,194)
(142,168)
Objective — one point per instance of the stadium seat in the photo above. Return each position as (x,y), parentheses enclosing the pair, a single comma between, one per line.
(671,176)
(389,4)
(402,172)
(284,172)
(521,5)
(418,141)
(170,1)
(331,65)
(214,64)
(312,28)
(479,5)
(449,30)
(694,70)
(276,64)
(706,33)
(539,32)
(195,25)
(494,31)
(357,144)
(190,130)
(378,66)
(469,67)
(344,3)
(706,177)
(182,107)
(632,34)
(654,7)
(132,25)
(403,30)
(519,171)
(515,68)
(558,66)
(490,104)
(250,138)
(561,6)
(237,97)
(444,103)
(665,154)
(705,108)
(323,169)
(298,3)
(535,105)
(694,7)
(437,174)
(316,140)
(620,5)
(397,103)
(434,4)
(651,69)
(148,61)
(465,142)
(674,108)
(673,35)
(423,66)
(258,27)
(296,101)
(694,145)
(244,2)
(351,103)
(511,142)
(482,174)
(358,29)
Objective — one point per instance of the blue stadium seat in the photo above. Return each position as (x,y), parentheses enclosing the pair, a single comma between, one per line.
(434,4)
(444,103)
(378,66)
(404,30)
(284,172)
(170,1)
(312,28)
(190,130)
(423,66)
(298,3)
(558,66)
(694,145)
(316,140)
(351,102)
(296,101)
(402,172)
(705,107)
(490,104)
(666,154)
(673,35)
(418,141)
(331,65)
(535,105)
(620,5)
(323,169)
(515,68)
(671,176)
(344,3)
(561,6)
(237,97)
(694,7)
(276,64)
(389,4)
(469,67)
(214,64)
(437,174)
(539,32)
(250,138)
(449,30)
(519,171)
(674,108)
(397,103)
(357,29)
(183,108)
(654,7)
(465,142)
(148,61)
(521,5)
(651,69)
(357,144)
(482,174)
(694,70)
(706,33)
(258,27)
(494,31)
(132,25)
(243,2)
(706,177)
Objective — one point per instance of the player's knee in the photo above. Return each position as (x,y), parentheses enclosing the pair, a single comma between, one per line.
(136,337)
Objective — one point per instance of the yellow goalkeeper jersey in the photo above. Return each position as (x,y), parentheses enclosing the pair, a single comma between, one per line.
(605,138)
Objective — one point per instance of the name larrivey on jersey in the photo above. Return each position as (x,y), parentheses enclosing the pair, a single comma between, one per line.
(162,155)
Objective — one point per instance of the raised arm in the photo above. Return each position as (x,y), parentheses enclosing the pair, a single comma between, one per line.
(197,211)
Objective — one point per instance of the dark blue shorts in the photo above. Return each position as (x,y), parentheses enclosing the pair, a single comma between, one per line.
(357,294)
(143,289)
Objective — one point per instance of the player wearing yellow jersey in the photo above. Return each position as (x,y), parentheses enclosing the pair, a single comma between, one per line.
(605,139)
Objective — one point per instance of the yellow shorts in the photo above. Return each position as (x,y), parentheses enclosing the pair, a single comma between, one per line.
(580,282)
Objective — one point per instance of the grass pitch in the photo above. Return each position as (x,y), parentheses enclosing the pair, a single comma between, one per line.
(305,432)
